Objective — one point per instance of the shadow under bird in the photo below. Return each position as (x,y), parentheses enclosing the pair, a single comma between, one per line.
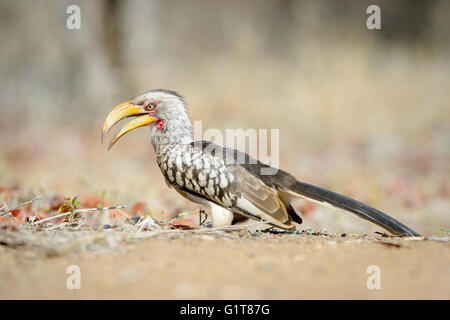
(234,185)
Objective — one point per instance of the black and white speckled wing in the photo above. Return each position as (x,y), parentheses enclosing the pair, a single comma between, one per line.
(190,170)
(200,175)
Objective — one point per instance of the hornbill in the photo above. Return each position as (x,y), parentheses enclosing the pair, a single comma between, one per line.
(230,182)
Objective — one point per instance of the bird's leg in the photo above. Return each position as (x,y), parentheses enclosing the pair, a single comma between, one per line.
(220,216)
(200,212)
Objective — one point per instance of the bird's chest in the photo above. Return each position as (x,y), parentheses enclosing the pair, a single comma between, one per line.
(190,169)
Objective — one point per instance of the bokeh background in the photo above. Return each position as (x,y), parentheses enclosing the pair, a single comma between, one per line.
(362,112)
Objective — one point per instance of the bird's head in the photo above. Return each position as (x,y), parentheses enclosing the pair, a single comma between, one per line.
(163,110)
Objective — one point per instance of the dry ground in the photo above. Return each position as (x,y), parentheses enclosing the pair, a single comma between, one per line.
(210,264)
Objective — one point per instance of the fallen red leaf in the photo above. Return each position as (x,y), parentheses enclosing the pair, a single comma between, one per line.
(138,207)
(91,201)
(183,224)
(16,212)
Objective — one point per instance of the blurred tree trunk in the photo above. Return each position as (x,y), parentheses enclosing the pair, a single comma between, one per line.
(113,32)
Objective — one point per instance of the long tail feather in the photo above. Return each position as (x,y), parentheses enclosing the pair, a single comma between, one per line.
(360,209)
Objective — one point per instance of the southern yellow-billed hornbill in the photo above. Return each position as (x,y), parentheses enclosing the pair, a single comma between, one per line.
(230,182)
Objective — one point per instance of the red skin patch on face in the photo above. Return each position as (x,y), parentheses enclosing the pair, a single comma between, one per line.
(160,124)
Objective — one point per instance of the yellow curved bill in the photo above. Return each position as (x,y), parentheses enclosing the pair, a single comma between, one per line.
(123,110)
(136,123)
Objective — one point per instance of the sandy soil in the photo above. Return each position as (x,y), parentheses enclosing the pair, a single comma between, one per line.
(232,265)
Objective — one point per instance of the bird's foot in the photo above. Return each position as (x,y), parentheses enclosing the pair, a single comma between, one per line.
(208,224)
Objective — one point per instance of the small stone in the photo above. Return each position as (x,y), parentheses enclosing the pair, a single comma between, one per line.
(135,219)
(343,235)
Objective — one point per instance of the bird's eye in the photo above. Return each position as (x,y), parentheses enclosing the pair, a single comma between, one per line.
(150,106)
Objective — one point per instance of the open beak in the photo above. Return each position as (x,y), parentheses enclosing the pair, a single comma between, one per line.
(122,111)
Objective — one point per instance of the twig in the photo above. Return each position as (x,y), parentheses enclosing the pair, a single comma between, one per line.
(57,226)
(51,218)
(98,209)
(146,221)
(77,211)
(18,206)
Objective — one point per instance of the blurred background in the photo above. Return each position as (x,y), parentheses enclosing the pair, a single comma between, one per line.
(363,112)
